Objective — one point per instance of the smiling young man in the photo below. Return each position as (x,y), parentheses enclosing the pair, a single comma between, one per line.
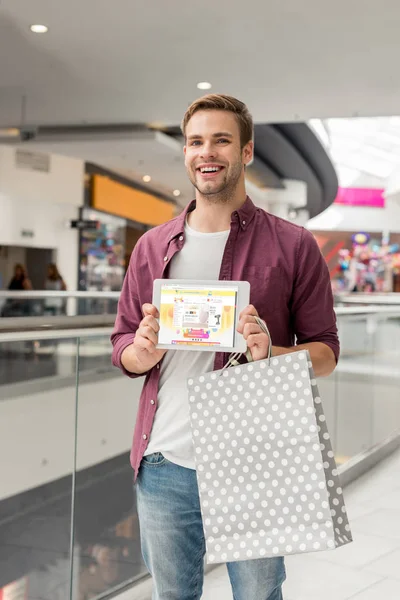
(220,235)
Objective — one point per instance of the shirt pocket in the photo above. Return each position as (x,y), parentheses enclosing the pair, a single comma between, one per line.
(267,288)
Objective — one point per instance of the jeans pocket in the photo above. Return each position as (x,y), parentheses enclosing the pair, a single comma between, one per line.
(153,460)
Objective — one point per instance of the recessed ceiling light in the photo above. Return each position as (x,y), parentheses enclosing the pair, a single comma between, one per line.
(176,193)
(204,85)
(39,28)
(146,178)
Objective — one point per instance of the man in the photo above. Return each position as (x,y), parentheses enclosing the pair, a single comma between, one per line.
(220,235)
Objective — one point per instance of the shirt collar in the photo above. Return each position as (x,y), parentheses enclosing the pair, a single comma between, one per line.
(179,225)
(245,215)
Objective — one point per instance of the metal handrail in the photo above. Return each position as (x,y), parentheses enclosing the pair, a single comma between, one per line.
(375,299)
(38,294)
(59,323)
(62,327)
(26,336)
(367,310)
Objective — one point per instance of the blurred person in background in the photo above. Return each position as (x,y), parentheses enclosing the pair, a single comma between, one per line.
(20,280)
(54,283)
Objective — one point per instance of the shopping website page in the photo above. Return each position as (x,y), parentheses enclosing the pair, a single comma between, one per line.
(198,316)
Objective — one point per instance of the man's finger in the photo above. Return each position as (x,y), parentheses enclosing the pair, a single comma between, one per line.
(150,309)
(151,322)
(251,328)
(243,320)
(145,331)
(249,310)
(257,339)
(144,344)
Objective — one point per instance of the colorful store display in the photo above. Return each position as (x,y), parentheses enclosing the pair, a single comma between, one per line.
(102,253)
(369,265)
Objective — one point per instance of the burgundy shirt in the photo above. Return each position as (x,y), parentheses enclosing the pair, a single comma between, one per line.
(289,282)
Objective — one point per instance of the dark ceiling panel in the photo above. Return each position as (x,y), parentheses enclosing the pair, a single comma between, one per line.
(262,175)
(308,145)
(292,151)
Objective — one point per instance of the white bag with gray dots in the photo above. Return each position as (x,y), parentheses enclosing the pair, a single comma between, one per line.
(266,471)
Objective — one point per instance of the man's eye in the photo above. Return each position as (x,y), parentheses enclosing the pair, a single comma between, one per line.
(195,142)
(223,140)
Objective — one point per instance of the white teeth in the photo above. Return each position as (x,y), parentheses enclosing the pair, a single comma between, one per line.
(209,169)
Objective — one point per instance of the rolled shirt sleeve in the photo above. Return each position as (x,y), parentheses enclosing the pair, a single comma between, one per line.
(312,307)
(129,316)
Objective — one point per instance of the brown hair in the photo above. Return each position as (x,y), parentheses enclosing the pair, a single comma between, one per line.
(222,102)
(55,276)
(19,267)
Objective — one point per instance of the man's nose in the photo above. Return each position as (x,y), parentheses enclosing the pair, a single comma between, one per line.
(208,151)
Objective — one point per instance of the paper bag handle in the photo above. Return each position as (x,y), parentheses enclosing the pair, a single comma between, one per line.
(233,360)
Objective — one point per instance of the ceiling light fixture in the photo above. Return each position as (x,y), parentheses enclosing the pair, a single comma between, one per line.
(176,193)
(10,132)
(146,178)
(39,28)
(204,85)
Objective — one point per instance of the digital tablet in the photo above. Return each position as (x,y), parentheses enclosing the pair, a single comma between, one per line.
(200,315)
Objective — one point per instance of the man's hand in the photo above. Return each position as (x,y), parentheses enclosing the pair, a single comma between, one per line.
(257,341)
(142,355)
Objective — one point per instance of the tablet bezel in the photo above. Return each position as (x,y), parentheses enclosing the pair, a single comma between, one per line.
(243,300)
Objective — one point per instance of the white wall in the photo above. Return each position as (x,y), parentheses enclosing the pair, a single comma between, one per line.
(352,218)
(37,431)
(47,222)
(42,203)
(63,184)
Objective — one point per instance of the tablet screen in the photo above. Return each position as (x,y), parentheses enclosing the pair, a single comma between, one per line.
(196,315)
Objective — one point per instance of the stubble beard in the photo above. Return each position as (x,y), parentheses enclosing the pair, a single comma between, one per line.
(225,191)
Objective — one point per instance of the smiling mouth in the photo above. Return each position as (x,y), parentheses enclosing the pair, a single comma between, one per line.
(209,171)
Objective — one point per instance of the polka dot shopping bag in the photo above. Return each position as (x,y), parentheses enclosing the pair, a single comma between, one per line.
(266,471)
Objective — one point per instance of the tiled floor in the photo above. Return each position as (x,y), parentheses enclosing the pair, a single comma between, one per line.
(367,569)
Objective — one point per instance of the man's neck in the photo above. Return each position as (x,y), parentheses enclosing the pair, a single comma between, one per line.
(211,217)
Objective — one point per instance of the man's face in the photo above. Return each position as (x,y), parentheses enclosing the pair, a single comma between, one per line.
(213,158)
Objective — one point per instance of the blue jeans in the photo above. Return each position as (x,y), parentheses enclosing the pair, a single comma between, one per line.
(173,544)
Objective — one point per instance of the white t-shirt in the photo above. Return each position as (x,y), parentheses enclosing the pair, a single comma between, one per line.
(200,258)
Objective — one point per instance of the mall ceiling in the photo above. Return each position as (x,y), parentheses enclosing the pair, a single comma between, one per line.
(139,62)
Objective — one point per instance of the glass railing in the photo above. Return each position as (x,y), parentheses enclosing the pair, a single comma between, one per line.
(369,299)
(361,398)
(68,521)
(45,303)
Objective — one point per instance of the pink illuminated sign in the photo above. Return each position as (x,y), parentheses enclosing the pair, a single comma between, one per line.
(361,197)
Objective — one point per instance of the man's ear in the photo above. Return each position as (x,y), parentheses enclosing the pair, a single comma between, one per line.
(247,153)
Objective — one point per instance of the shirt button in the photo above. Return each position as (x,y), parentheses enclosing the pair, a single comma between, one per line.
(181,238)
(144,436)
(158,366)
(244,222)
(165,258)
(152,401)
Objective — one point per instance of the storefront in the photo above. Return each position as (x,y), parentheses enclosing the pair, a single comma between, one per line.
(117,215)
(361,261)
